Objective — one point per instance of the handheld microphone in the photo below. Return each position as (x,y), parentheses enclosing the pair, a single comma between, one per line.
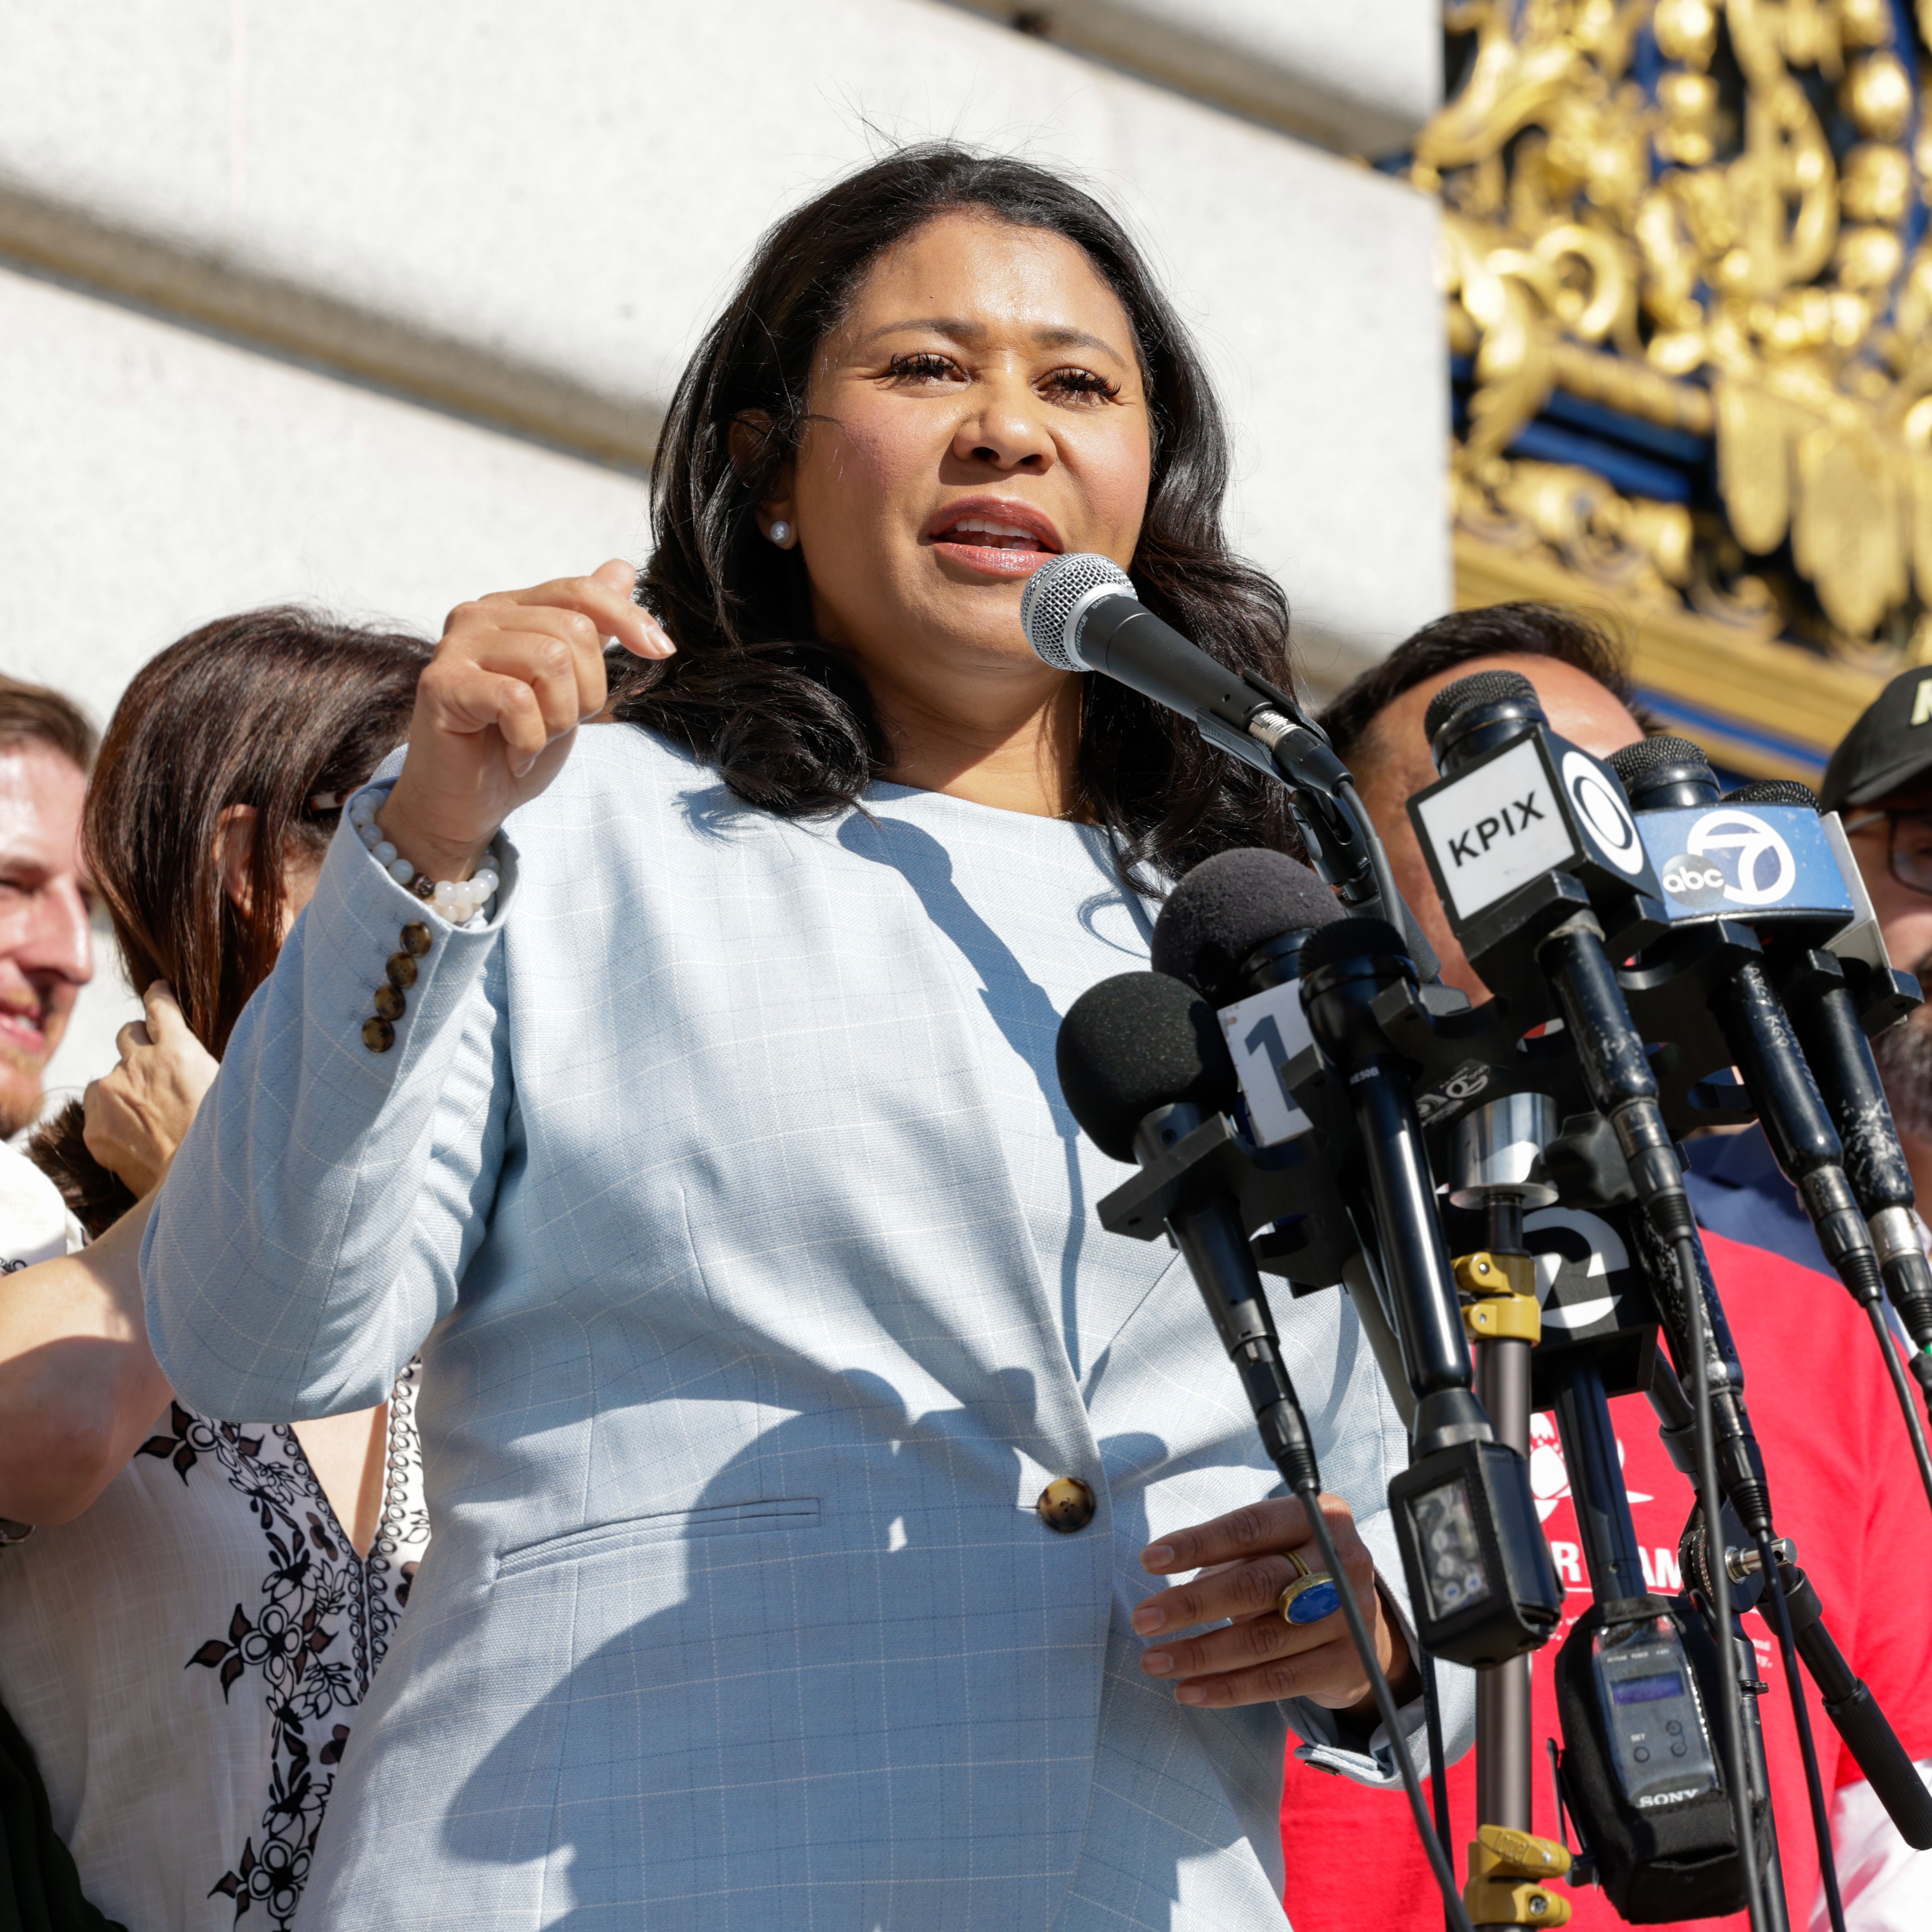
(1674,773)
(1343,966)
(1819,999)
(1141,1064)
(1483,1587)
(1234,928)
(1527,835)
(1666,773)
(1530,839)
(1080,612)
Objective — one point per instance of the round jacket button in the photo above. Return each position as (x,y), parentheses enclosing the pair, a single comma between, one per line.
(1066,1503)
(401,968)
(389,1004)
(415,938)
(378,1036)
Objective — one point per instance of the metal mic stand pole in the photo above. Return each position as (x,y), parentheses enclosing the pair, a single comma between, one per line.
(1494,1163)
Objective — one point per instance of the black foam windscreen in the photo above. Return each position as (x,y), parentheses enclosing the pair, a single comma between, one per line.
(1351,939)
(1482,687)
(1773,791)
(1636,764)
(1135,1042)
(1229,905)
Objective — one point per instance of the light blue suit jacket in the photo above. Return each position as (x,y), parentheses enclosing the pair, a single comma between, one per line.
(725,1172)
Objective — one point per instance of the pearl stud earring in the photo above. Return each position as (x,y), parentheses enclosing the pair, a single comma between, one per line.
(781,534)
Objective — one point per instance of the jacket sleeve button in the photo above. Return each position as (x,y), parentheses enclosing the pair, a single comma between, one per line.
(390,1004)
(402,969)
(416,938)
(1066,1503)
(378,1036)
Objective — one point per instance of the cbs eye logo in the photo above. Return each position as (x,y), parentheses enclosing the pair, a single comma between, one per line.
(1736,858)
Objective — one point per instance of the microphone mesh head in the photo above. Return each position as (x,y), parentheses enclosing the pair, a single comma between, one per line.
(1135,1042)
(1482,687)
(1047,603)
(1229,905)
(1351,939)
(1773,791)
(1641,762)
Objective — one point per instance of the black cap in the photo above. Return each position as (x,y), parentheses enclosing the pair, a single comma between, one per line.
(1889,748)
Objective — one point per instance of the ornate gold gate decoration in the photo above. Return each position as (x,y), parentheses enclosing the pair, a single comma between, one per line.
(1690,306)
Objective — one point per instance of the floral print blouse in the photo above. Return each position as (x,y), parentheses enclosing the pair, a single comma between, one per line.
(187,1658)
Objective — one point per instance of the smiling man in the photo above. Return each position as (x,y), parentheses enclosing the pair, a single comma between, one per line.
(46,958)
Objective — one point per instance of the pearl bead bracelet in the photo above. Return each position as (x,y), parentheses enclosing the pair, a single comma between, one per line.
(459,901)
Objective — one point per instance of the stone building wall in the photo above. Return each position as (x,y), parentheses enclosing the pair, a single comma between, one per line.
(380,307)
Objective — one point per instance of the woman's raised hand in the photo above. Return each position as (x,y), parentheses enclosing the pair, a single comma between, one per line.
(499,705)
(1244,1565)
(138,1115)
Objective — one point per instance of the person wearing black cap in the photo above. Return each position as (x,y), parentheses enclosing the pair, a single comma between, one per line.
(1846,1493)
(1879,782)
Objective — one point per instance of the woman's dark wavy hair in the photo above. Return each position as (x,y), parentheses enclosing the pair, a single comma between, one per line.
(784,716)
(282,710)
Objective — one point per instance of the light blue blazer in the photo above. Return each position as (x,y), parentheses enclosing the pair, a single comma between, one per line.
(723,1179)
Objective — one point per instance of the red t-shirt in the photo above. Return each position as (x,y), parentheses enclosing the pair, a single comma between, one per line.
(1843,1487)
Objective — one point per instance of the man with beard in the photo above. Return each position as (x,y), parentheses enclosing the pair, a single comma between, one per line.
(1841,1475)
(45,956)
(1879,781)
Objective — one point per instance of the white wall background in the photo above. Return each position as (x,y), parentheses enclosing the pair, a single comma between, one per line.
(214,208)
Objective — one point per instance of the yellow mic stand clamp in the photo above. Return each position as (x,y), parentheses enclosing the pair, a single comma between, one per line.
(1507,1871)
(1502,1306)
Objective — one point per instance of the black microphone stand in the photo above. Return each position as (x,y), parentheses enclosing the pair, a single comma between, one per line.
(1494,1162)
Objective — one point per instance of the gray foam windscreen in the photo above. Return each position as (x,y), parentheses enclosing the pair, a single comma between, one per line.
(1231,903)
(1135,1042)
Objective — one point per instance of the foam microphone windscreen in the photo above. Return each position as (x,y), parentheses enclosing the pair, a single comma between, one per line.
(1482,687)
(1135,1042)
(1229,905)
(1351,939)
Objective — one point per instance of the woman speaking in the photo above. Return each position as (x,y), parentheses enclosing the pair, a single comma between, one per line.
(803,1460)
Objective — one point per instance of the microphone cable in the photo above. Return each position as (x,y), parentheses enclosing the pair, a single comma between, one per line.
(1142,1064)
(1779,1618)
(1438,1769)
(1683,1243)
(1902,1388)
(1309,1489)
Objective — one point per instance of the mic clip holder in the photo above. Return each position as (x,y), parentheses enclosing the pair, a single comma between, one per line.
(1882,999)
(1669,994)
(1854,1713)
(1284,1183)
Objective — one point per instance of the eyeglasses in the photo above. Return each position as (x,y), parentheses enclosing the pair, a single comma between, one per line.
(1908,845)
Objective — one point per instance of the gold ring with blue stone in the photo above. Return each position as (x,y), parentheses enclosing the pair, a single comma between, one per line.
(1311,1597)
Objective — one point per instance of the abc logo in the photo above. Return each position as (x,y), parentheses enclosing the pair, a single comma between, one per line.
(1696,881)
(1736,858)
